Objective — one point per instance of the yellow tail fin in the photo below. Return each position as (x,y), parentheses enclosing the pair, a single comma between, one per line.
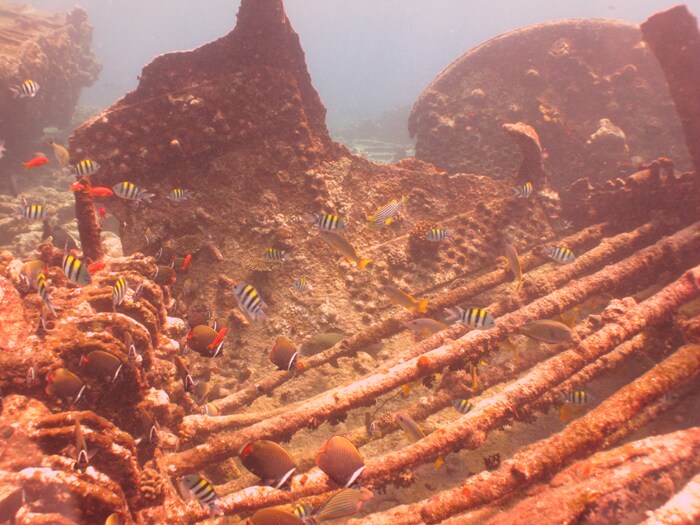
(362,263)
(423,305)
(439,462)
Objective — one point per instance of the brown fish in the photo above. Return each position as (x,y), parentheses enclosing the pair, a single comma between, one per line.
(269,461)
(82,456)
(547,331)
(341,461)
(320,342)
(342,504)
(400,298)
(273,516)
(514,264)
(164,275)
(345,249)
(284,354)
(64,384)
(206,341)
(184,373)
(149,425)
(102,365)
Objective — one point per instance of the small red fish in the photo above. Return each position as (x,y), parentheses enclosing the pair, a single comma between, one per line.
(101,215)
(76,187)
(99,191)
(219,337)
(35,162)
(186,263)
(96,266)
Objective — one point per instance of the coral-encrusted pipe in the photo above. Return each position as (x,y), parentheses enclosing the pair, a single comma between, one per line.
(681,509)
(585,434)
(674,38)
(609,486)
(88,228)
(618,246)
(641,267)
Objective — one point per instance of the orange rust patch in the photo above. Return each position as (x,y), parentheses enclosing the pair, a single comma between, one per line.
(423,362)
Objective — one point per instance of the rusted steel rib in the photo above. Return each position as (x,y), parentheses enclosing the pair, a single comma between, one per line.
(642,267)
(608,249)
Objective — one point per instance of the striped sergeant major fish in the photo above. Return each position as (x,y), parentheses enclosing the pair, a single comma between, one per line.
(524,191)
(471,316)
(43,292)
(178,195)
(301,285)
(560,254)
(576,397)
(34,212)
(75,271)
(385,216)
(86,167)
(129,191)
(249,301)
(203,491)
(28,88)
(438,234)
(119,291)
(274,254)
(462,406)
(326,222)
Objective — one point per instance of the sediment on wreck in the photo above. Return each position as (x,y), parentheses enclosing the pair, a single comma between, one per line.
(674,38)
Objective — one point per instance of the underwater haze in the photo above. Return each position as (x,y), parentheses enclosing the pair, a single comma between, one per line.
(365,56)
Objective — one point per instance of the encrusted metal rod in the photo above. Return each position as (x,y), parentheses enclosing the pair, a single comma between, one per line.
(608,249)
(682,509)
(583,435)
(643,266)
(88,228)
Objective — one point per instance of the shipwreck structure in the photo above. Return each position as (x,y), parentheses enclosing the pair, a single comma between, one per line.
(238,123)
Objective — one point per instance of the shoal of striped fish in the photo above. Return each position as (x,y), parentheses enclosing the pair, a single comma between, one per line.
(33,213)
(203,491)
(129,191)
(75,271)
(28,88)
(276,255)
(437,234)
(386,214)
(561,254)
(463,406)
(342,504)
(471,316)
(119,291)
(524,191)
(86,167)
(249,301)
(301,285)
(43,292)
(178,195)
(326,222)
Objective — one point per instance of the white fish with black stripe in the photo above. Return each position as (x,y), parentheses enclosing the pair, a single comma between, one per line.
(119,291)
(179,195)
(75,271)
(524,191)
(35,212)
(471,316)
(326,222)
(85,168)
(43,292)
(249,301)
(129,191)
(301,285)
(561,254)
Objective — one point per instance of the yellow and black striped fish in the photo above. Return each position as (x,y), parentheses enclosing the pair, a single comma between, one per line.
(576,397)
(249,301)
(34,212)
(437,234)
(273,254)
(385,215)
(560,254)
(462,406)
(302,510)
(43,292)
(474,317)
(178,195)
(75,271)
(524,191)
(326,222)
(28,88)
(301,285)
(86,167)
(119,291)
(203,491)
(129,191)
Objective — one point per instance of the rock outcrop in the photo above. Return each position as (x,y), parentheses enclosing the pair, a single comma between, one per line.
(562,78)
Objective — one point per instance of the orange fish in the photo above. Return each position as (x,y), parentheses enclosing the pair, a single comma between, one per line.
(76,187)
(96,266)
(99,191)
(186,262)
(35,162)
